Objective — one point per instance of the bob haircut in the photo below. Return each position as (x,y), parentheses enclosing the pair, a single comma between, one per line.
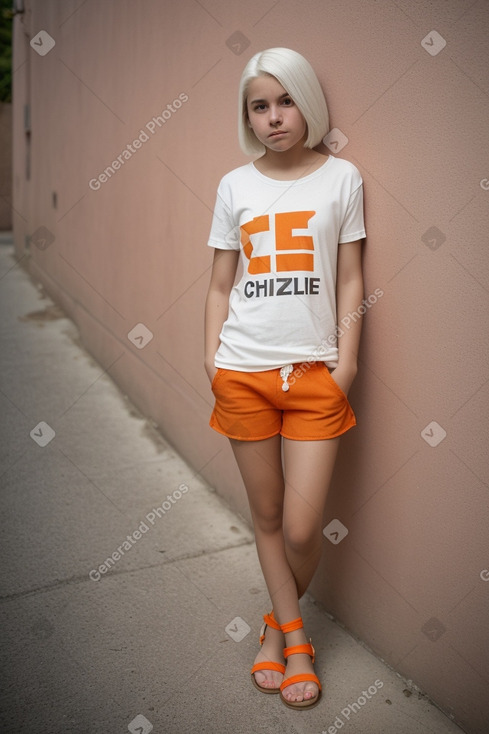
(298,78)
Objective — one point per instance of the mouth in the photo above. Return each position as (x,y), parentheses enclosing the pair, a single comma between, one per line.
(277,133)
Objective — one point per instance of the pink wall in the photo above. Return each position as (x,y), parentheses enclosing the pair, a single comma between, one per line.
(134,251)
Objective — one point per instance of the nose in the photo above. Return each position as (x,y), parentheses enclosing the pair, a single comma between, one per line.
(275,115)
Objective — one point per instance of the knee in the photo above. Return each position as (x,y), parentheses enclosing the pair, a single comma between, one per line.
(301,537)
(268,519)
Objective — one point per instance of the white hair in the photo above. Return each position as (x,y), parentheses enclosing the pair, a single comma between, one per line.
(299,80)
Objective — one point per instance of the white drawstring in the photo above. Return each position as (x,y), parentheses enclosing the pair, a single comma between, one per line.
(284,374)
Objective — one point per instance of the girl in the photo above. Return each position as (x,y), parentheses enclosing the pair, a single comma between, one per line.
(280,368)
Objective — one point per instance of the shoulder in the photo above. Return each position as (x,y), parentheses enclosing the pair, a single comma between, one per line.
(346,168)
(236,176)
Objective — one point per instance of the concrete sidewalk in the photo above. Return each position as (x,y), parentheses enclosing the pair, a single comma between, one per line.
(162,637)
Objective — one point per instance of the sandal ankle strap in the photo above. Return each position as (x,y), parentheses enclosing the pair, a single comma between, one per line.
(296,624)
(306,649)
(270,620)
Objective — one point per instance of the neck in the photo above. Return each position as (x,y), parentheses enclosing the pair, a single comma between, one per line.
(293,158)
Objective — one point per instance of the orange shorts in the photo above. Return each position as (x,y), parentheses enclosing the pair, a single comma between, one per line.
(301,402)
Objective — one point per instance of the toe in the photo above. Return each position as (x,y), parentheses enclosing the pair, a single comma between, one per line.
(266,679)
(310,691)
(298,693)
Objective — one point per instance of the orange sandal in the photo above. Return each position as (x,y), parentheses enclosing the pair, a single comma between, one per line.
(306,649)
(270,621)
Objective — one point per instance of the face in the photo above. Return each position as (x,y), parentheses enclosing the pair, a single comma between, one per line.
(274,117)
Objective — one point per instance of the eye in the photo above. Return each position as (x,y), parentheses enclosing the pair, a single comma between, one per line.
(259,107)
(287,101)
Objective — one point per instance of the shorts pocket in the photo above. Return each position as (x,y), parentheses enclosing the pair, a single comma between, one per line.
(332,380)
(217,377)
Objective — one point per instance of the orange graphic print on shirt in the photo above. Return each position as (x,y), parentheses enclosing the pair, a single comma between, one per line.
(285,223)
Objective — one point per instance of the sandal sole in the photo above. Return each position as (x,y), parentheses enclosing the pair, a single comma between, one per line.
(301,704)
(261,689)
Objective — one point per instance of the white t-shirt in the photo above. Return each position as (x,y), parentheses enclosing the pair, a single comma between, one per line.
(283,309)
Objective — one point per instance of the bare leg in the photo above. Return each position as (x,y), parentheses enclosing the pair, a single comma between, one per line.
(308,469)
(260,464)
(287,518)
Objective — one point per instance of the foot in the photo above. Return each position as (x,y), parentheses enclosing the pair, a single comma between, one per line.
(272,649)
(297,664)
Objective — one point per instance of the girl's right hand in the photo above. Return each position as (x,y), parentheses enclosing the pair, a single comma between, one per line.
(211,372)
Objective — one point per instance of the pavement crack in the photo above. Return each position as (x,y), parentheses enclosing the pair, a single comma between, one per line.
(80,579)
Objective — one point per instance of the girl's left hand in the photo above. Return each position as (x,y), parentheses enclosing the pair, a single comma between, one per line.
(344,376)
(211,372)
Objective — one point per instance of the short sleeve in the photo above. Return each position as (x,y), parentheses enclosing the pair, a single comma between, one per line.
(224,234)
(353,226)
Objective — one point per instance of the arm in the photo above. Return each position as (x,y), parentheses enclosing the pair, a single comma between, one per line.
(349,294)
(217,303)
